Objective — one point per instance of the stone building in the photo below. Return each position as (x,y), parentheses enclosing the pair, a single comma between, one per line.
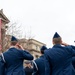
(4,21)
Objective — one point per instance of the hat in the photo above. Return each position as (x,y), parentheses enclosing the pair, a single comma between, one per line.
(43,48)
(56,35)
(27,62)
(13,38)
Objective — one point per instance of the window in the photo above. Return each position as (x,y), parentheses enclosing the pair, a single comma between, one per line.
(36,47)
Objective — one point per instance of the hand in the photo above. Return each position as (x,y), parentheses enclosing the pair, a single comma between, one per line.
(20,47)
(65,44)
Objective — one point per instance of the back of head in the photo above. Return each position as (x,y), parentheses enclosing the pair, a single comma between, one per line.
(57,39)
(27,62)
(14,40)
(42,49)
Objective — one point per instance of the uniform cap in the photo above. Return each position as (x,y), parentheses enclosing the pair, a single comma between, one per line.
(56,35)
(13,38)
(43,48)
(27,62)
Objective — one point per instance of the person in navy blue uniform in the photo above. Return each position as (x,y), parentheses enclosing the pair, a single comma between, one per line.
(2,66)
(14,58)
(58,59)
(39,68)
(28,68)
(73,58)
(73,61)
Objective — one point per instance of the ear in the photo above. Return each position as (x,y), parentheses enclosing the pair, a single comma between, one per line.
(53,42)
(61,41)
(17,43)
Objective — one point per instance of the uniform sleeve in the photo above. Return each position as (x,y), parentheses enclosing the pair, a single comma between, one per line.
(35,71)
(47,65)
(2,66)
(73,61)
(73,49)
(27,55)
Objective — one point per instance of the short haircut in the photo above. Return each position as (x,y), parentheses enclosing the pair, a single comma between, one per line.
(57,40)
(42,51)
(14,43)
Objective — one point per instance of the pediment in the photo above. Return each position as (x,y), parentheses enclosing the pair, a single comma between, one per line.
(3,17)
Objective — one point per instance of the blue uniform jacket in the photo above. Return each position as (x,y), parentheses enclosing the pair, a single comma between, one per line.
(40,65)
(2,66)
(14,61)
(58,60)
(28,70)
(73,58)
(73,61)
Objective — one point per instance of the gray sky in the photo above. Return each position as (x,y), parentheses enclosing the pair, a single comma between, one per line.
(43,18)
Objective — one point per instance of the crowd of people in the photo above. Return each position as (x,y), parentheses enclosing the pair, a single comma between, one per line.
(57,60)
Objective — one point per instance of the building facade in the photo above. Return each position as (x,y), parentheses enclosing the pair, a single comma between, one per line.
(4,21)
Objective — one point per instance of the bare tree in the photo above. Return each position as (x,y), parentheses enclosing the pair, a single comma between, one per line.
(14,29)
(28,35)
(11,29)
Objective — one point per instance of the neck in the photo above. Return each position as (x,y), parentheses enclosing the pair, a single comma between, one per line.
(12,46)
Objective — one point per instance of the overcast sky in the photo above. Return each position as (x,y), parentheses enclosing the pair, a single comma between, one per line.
(43,18)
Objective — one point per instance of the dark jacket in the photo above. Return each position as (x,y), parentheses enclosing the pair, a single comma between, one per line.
(14,61)
(2,66)
(58,60)
(73,57)
(73,61)
(28,71)
(40,65)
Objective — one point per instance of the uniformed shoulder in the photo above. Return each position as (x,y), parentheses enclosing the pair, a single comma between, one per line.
(36,60)
(46,51)
(39,59)
(68,47)
(0,58)
(6,52)
(73,47)
(10,50)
